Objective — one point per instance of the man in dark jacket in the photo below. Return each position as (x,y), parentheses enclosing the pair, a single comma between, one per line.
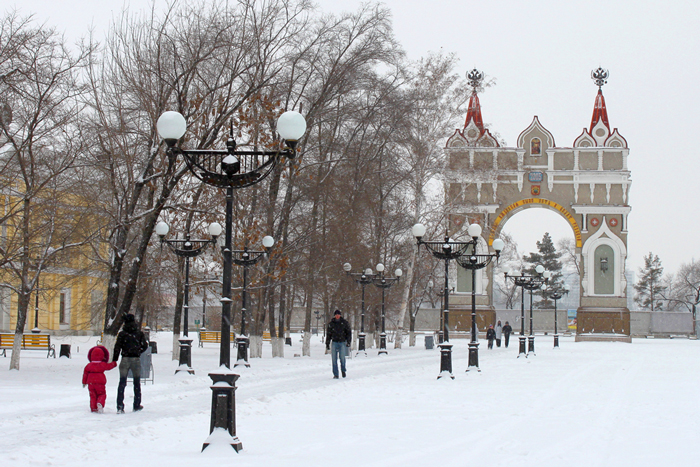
(339,335)
(506,332)
(131,343)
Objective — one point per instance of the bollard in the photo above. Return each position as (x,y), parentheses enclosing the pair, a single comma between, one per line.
(445,360)
(223,411)
(185,356)
(242,356)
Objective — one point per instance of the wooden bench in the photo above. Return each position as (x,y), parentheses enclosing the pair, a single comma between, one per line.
(266,336)
(212,337)
(29,342)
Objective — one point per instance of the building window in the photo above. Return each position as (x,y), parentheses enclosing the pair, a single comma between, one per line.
(64,307)
(535,147)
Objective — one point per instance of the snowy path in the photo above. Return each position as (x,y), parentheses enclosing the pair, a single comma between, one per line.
(586,404)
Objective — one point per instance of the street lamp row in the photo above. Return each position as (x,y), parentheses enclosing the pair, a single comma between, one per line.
(449,250)
(379,280)
(556,293)
(187,248)
(229,169)
(528,282)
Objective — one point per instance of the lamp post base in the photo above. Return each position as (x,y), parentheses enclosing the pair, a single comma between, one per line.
(185,356)
(242,349)
(222,428)
(382,344)
(521,347)
(445,361)
(473,357)
(556,341)
(361,342)
(530,345)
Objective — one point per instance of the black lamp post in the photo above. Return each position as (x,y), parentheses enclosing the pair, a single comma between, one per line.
(186,248)
(384,283)
(473,263)
(446,250)
(318,319)
(36,329)
(247,258)
(555,294)
(363,278)
(230,169)
(527,282)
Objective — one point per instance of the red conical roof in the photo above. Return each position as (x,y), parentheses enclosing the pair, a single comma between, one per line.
(474,112)
(600,112)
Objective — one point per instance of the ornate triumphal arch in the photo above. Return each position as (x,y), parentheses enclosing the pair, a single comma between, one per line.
(587,184)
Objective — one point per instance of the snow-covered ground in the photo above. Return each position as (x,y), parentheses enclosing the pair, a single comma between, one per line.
(585,404)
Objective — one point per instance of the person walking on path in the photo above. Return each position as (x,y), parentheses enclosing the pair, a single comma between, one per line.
(339,335)
(499,333)
(490,335)
(94,377)
(507,330)
(131,343)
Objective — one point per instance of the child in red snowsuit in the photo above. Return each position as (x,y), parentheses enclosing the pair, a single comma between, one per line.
(94,376)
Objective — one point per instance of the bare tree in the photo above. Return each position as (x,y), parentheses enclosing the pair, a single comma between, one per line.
(202,60)
(437,98)
(43,220)
(684,292)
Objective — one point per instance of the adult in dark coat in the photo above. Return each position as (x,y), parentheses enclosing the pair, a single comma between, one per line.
(490,335)
(339,335)
(507,330)
(131,343)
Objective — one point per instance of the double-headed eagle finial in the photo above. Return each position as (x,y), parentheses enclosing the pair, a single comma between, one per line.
(600,77)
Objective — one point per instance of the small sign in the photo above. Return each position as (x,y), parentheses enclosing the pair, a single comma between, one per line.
(535,190)
(535,176)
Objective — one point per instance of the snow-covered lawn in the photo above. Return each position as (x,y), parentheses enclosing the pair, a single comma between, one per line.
(585,404)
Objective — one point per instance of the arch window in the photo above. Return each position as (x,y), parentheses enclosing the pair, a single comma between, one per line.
(604,271)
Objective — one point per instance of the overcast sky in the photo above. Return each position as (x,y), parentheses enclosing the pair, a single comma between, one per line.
(541,54)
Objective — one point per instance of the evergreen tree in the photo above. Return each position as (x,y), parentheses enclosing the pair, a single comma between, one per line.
(548,256)
(649,286)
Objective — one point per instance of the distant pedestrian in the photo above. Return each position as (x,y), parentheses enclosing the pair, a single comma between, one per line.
(490,335)
(131,343)
(339,335)
(507,330)
(94,377)
(499,332)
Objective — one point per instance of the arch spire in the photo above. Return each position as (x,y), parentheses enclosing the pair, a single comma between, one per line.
(475,78)
(600,111)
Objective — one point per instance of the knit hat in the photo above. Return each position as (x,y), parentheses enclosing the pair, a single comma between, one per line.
(337,312)
(129,318)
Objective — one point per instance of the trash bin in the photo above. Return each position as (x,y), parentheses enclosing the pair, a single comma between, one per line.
(145,366)
(64,350)
(429,341)
(154,346)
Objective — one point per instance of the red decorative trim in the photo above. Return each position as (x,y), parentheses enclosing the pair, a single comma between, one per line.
(594,221)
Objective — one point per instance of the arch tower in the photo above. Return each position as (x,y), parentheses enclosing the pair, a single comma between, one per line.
(587,184)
